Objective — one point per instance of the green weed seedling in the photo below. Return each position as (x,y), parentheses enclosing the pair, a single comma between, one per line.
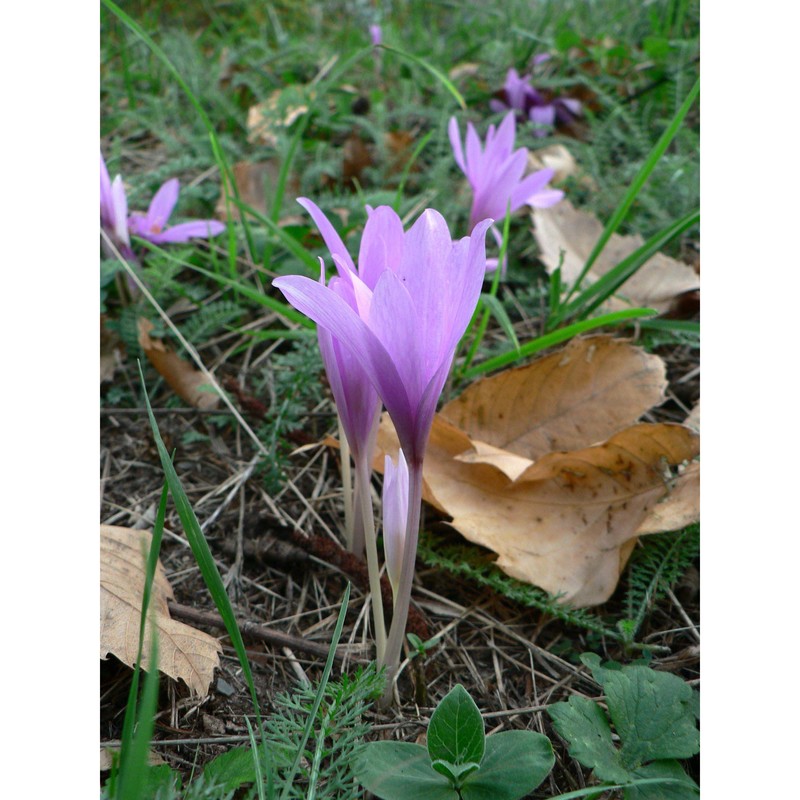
(655,716)
(460,762)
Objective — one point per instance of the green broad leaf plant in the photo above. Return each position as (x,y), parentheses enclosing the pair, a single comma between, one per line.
(654,714)
(460,762)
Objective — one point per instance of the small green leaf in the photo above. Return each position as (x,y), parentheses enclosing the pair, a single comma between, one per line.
(401,771)
(514,764)
(455,733)
(584,725)
(455,773)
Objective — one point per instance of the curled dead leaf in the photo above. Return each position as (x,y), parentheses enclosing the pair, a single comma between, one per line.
(188,383)
(184,652)
(547,466)
(572,398)
(563,228)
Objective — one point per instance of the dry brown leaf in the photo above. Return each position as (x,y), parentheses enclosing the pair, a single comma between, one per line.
(253,182)
(556,157)
(183,652)
(562,227)
(187,382)
(573,398)
(267,119)
(569,522)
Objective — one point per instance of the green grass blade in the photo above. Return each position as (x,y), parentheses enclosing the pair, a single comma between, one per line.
(132,782)
(201,552)
(556,337)
(326,673)
(438,74)
(495,307)
(638,182)
(127,765)
(596,294)
(408,167)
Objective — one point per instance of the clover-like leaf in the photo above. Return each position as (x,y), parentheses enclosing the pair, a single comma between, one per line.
(455,733)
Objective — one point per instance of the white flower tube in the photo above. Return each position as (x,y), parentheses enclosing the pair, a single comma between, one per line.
(395,517)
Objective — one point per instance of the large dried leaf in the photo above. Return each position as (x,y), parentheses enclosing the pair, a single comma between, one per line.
(187,382)
(570,399)
(569,522)
(657,283)
(183,652)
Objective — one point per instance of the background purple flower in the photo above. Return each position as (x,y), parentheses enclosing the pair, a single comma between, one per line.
(153,225)
(519,96)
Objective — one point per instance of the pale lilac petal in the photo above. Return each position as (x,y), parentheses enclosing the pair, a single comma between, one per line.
(504,143)
(162,205)
(573,106)
(492,199)
(382,245)
(470,267)
(541,58)
(329,235)
(375,35)
(106,204)
(395,515)
(197,229)
(531,186)
(119,204)
(329,310)
(455,142)
(498,106)
(546,198)
(474,158)
(356,400)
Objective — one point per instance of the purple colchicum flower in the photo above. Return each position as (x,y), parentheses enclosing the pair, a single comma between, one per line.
(114,210)
(519,96)
(395,517)
(151,226)
(375,35)
(408,307)
(495,171)
(401,317)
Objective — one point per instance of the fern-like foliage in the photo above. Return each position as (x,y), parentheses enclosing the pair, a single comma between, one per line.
(467,562)
(336,739)
(655,566)
(210,319)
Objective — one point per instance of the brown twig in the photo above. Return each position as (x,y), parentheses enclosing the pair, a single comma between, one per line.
(255,631)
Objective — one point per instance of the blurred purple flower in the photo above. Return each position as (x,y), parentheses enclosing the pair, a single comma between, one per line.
(375,35)
(519,96)
(395,516)
(153,225)
(495,170)
(114,210)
